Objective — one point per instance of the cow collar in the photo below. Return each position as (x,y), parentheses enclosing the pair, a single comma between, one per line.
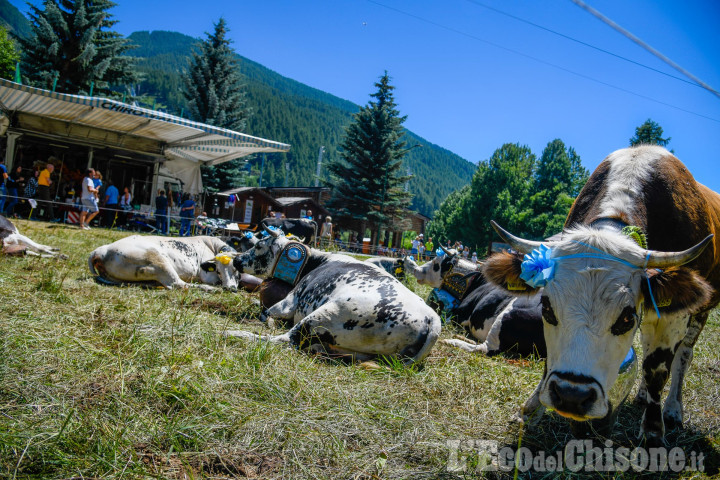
(457,280)
(291,262)
(632,231)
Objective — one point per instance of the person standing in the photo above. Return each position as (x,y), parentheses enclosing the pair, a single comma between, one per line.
(14,184)
(110,202)
(187,212)
(89,200)
(326,231)
(125,206)
(429,246)
(44,182)
(161,212)
(3,187)
(31,188)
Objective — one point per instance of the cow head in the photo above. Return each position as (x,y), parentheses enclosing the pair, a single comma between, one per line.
(224,267)
(596,287)
(433,272)
(244,242)
(260,259)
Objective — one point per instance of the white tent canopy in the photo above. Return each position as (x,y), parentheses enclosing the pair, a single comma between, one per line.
(181,145)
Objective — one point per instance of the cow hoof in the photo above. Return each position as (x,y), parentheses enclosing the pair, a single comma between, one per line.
(671,421)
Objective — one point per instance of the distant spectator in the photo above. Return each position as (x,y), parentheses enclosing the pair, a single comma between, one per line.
(187,212)
(474,258)
(97,181)
(14,184)
(161,212)
(44,182)
(415,245)
(326,231)
(201,224)
(308,215)
(110,202)
(466,252)
(429,247)
(89,200)
(125,206)
(3,187)
(421,249)
(31,190)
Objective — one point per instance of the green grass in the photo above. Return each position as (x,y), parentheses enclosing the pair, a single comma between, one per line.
(125,382)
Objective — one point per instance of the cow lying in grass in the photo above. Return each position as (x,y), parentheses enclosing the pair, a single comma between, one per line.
(14,243)
(501,322)
(341,305)
(171,262)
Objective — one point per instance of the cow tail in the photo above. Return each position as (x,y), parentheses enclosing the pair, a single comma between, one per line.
(97,269)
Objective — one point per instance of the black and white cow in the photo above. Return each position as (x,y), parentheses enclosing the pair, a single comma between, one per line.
(501,322)
(599,285)
(394,266)
(11,238)
(171,262)
(341,305)
(303,228)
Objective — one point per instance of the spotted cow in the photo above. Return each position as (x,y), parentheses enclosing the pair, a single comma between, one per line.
(501,322)
(637,251)
(171,262)
(344,306)
(12,241)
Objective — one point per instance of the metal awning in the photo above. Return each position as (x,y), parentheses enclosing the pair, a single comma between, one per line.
(101,121)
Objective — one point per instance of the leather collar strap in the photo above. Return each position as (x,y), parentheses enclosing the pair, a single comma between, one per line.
(457,279)
(291,262)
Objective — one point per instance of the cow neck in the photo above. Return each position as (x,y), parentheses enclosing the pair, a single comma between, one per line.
(316,258)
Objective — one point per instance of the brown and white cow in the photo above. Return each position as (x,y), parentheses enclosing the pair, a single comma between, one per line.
(601,285)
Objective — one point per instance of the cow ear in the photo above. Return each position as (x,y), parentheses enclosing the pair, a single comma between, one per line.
(228,249)
(209,266)
(503,269)
(676,290)
(234,242)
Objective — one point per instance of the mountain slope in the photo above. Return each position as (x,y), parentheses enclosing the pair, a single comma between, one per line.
(289,111)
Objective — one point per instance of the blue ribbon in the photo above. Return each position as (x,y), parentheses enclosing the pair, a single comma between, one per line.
(439,252)
(273,229)
(538,268)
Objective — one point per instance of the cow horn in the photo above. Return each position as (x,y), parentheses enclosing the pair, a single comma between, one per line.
(447,252)
(272,233)
(675,259)
(517,243)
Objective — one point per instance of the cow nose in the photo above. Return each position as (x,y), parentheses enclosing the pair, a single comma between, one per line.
(573,398)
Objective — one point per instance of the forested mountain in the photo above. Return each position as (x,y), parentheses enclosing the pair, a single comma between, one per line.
(283,110)
(13,20)
(291,112)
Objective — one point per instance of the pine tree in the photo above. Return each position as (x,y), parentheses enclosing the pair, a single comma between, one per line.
(649,133)
(8,55)
(216,96)
(369,180)
(72,42)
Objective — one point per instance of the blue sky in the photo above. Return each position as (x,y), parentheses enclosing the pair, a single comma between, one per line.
(470,79)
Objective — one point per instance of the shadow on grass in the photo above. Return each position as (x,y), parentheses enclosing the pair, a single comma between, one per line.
(548,449)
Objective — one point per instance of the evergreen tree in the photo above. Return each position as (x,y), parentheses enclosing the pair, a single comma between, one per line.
(216,96)
(72,42)
(369,180)
(8,55)
(649,133)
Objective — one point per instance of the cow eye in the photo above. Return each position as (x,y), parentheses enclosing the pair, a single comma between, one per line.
(625,322)
(547,311)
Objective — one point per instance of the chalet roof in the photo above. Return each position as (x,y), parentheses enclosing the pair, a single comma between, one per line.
(286,201)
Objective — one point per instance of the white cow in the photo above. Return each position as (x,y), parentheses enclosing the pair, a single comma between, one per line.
(10,236)
(171,262)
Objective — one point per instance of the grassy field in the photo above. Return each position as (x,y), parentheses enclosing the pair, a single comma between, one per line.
(126,382)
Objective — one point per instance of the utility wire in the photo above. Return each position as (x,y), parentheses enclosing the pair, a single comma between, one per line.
(516,52)
(567,37)
(644,45)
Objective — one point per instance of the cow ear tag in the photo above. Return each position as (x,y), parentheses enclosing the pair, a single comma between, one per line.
(224,259)
(291,262)
(516,286)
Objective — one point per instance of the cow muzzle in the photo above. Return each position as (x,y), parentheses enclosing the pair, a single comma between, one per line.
(574,396)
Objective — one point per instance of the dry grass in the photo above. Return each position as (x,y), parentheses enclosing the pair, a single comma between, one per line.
(108,382)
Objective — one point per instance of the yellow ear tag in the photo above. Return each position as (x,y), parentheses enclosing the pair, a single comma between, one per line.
(224,259)
(516,286)
(665,303)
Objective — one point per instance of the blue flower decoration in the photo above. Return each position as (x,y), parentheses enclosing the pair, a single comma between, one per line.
(537,267)
(248,235)
(272,228)
(439,252)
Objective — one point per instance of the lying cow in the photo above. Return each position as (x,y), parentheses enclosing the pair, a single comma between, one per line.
(394,266)
(171,262)
(303,228)
(634,248)
(13,242)
(501,322)
(341,305)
